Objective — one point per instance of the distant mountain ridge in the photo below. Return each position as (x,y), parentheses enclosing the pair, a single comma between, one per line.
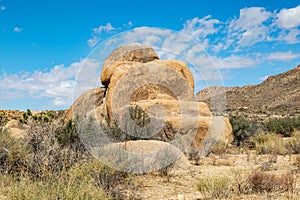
(277,95)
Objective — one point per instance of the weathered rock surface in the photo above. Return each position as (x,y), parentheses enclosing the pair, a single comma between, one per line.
(89,100)
(13,124)
(128,81)
(15,128)
(130,52)
(141,156)
(151,99)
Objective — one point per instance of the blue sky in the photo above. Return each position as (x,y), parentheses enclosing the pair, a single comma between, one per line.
(43,43)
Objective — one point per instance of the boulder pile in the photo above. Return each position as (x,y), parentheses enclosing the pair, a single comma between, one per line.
(153,99)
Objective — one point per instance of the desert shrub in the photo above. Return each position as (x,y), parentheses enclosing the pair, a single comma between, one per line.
(112,181)
(51,115)
(214,187)
(220,148)
(28,112)
(292,143)
(285,126)
(67,134)
(296,162)
(116,134)
(13,154)
(242,128)
(25,116)
(35,117)
(22,120)
(168,171)
(139,116)
(240,184)
(3,120)
(46,119)
(49,151)
(261,182)
(269,144)
(51,163)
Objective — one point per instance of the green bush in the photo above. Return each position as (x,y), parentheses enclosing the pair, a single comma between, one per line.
(35,117)
(3,120)
(67,134)
(139,116)
(46,119)
(242,129)
(285,126)
(51,114)
(29,113)
(25,116)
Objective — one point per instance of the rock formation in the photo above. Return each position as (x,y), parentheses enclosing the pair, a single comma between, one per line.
(152,99)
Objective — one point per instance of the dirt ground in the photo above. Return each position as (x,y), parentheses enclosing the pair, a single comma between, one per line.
(182,184)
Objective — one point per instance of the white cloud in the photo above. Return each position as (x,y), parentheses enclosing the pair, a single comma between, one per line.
(234,62)
(59,102)
(289,36)
(254,25)
(93,41)
(108,27)
(102,31)
(58,83)
(2,7)
(289,18)
(249,28)
(18,29)
(201,27)
(250,18)
(282,56)
(288,22)
(128,25)
(97,32)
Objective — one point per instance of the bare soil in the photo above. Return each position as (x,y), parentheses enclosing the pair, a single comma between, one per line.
(182,183)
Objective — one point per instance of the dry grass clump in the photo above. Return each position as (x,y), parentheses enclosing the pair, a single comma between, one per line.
(269,144)
(64,187)
(257,182)
(275,144)
(215,187)
(292,144)
(220,148)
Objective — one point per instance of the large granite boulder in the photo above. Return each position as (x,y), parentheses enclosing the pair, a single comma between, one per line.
(152,99)
(87,102)
(141,156)
(130,52)
(133,82)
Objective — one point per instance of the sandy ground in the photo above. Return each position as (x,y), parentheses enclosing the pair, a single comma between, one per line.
(182,185)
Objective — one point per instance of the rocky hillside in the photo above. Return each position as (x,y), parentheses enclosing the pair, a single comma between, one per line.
(278,95)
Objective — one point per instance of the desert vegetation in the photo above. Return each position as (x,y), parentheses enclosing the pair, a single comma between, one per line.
(51,163)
